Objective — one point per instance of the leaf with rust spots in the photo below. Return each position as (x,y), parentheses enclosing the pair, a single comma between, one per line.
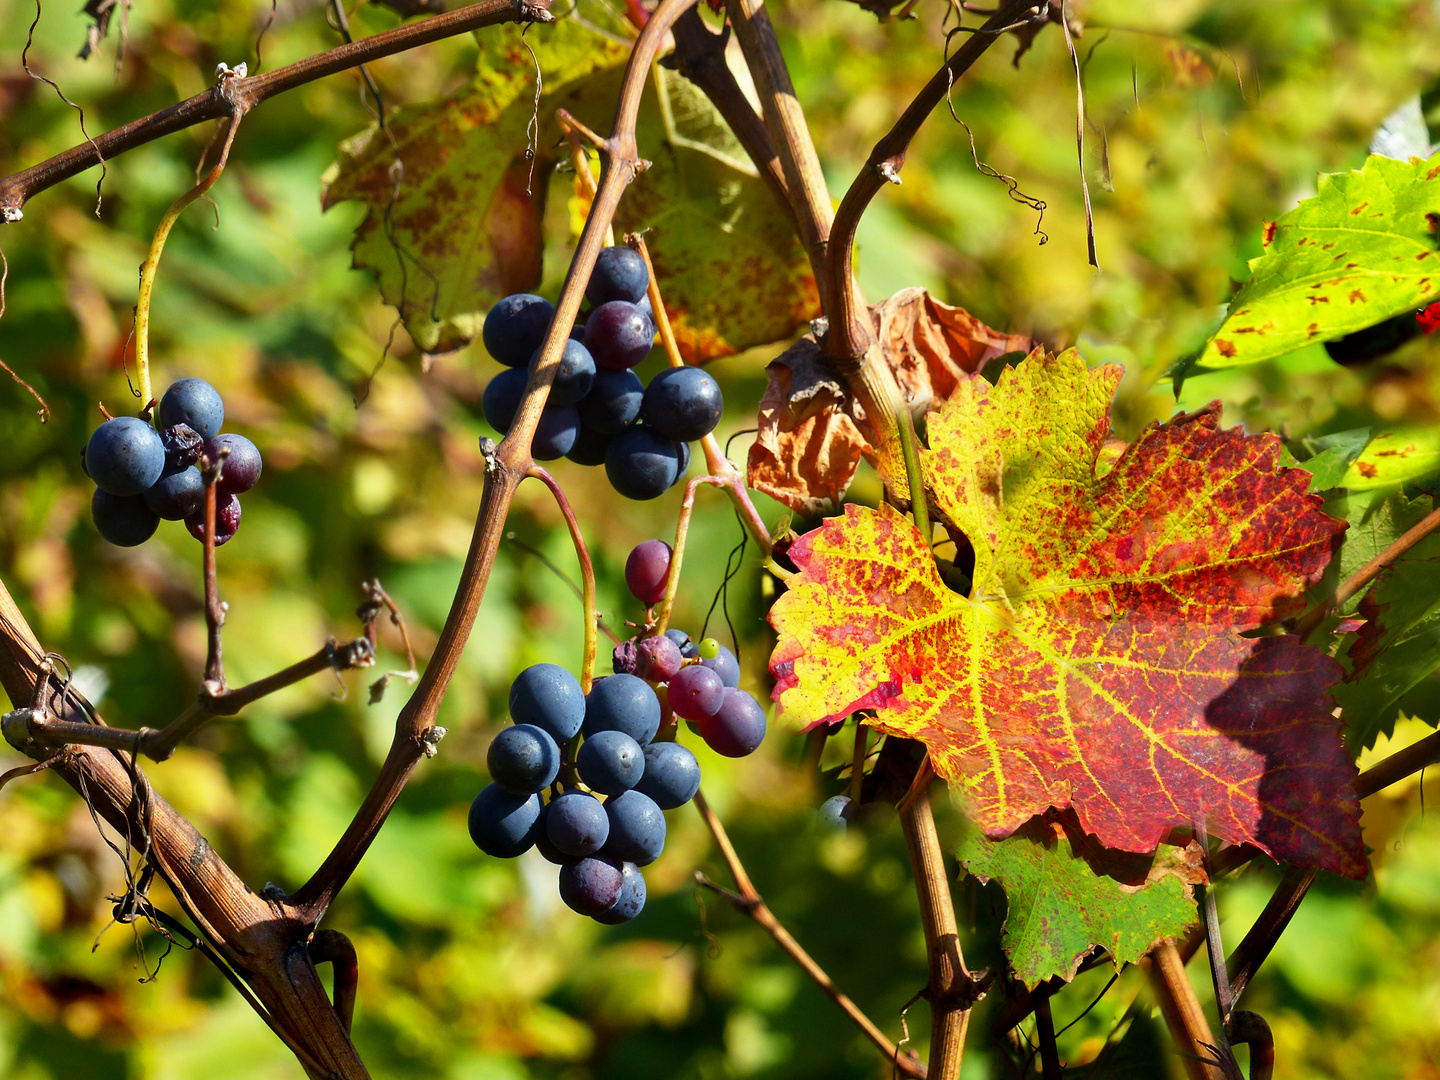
(1396,655)
(812,432)
(1098,661)
(468,216)
(465,227)
(1359,252)
(1395,457)
(1062,901)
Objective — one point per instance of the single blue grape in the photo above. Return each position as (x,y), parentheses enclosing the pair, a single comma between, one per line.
(610,762)
(619,335)
(575,376)
(194,402)
(556,432)
(502,824)
(501,400)
(613,403)
(620,274)
(124,520)
(124,456)
(549,697)
(683,403)
(685,643)
(726,666)
(545,845)
(576,824)
(671,777)
(523,759)
(515,327)
(642,464)
(637,828)
(835,813)
(632,897)
(177,495)
(591,885)
(622,703)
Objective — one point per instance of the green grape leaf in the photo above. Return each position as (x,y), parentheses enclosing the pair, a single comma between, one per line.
(1332,455)
(1063,901)
(1394,457)
(1361,251)
(463,226)
(1376,521)
(1396,654)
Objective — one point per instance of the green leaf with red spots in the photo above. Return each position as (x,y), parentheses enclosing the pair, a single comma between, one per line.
(1098,660)
(1362,250)
(1063,899)
(463,226)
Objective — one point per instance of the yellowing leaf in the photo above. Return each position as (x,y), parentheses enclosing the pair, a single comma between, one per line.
(1393,457)
(1098,661)
(1359,252)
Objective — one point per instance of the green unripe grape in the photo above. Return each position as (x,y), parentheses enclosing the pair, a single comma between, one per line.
(708,648)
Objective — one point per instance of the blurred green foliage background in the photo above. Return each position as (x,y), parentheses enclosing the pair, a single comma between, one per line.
(1207,118)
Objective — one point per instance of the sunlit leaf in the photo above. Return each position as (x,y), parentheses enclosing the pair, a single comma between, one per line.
(1099,660)
(1393,457)
(1362,250)
(1061,906)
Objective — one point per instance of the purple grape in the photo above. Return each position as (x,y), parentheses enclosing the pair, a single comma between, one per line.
(618,335)
(193,402)
(503,824)
(515,327)
(545,845)
(657,659)
(632,897)
(622,703)
(610,762)
(576,824)
(697,692)
(183,446)
(620,274)
(177,495)
(241,468)
(591,885)
(124,456)
(672,775)
(124,520)
(623,658)
(737,727)
(637,828)
(682,403)
(726,666)
(523,759)
(549,697)
(647,570)
(227,520)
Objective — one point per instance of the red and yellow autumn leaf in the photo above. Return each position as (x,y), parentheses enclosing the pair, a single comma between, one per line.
(1098,661)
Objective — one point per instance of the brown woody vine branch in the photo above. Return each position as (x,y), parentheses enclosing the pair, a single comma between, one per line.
(506,466)
(850,335)
(748,902)
(232,95)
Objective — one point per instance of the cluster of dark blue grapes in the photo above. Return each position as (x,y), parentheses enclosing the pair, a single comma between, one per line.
(622,739)
(142,475)
(599,412)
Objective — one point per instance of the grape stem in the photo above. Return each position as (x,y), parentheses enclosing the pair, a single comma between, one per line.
(677,554)
(749,902)
(587,575)
(215,608)
(152,258)
(581,160)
